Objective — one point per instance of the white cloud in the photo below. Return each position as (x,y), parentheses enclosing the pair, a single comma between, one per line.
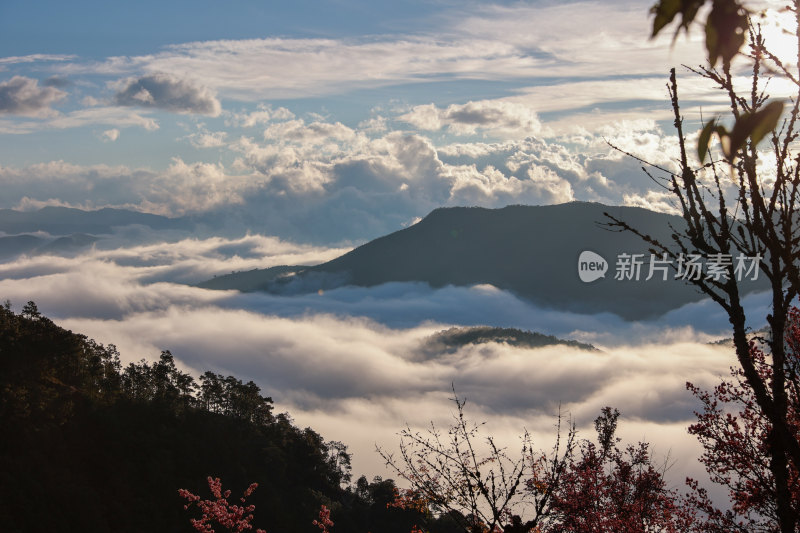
(304,356)
(479,42)
(302,349)
(309,135)
(662,201)
(109,116)
(567,35)
(208,139)
(23,96)
(327,182)
(111,135)
(34,58)
(495,117)
(264,114)
(181,188)
(192,187)
(376,124)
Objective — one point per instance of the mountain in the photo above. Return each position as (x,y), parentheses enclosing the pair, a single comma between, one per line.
(531,251)
(15,245)
(57,220)
(450,340)
(251,280)
(11,246)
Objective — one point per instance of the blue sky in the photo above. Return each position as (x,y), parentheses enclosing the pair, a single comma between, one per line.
(334,121)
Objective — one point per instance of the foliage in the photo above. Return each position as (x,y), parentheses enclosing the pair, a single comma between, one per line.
(230,397)
(736,438)
(233,517)
(451,474)
(739,206)
(91,446)
(725,26)
(605,489)
(324,521)
(578,487)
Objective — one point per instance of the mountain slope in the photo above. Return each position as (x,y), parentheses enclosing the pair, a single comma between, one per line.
(251,280)
(531,251)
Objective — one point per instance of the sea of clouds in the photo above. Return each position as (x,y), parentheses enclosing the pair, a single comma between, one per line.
(350,362)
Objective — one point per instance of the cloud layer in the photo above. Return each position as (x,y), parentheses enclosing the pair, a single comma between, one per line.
(24,96)
(325,182)
(304,350)
(163,91)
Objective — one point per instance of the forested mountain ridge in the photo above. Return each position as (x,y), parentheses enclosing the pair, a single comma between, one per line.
(451,339)
(91,446)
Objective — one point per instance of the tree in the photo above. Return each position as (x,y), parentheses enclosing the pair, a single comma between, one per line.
(605,489)
(579,486)
(160,382)
(90,446)
(229,396)
(219,511)
(735,436)
(484,489)
(734,207)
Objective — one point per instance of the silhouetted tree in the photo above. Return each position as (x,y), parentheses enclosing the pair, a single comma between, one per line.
(89,446)
(735,207)
(735,435)
(579,486)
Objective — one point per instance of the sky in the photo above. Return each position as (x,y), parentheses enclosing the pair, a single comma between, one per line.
(304,128)
(339,121)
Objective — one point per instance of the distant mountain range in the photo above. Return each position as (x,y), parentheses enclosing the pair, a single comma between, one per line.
(12,246)
(57,220)
(65,230)
(531,251)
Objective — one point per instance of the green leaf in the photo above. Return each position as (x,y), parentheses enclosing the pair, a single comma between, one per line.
(726,28)
(754,126)
(666,10)
(767,120)
(725,143)
(705,139)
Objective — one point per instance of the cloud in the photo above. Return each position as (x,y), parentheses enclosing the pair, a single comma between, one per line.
(57,82)
(181,188)
(474,42)
(111,135)
(196,187)
(271,68)
(303,349)
(376,124)
(34,58)
(107,116)
(23,96)
(326,182)
(264,114)
(575,46)
(495,117)
(208,139)
(164,91)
